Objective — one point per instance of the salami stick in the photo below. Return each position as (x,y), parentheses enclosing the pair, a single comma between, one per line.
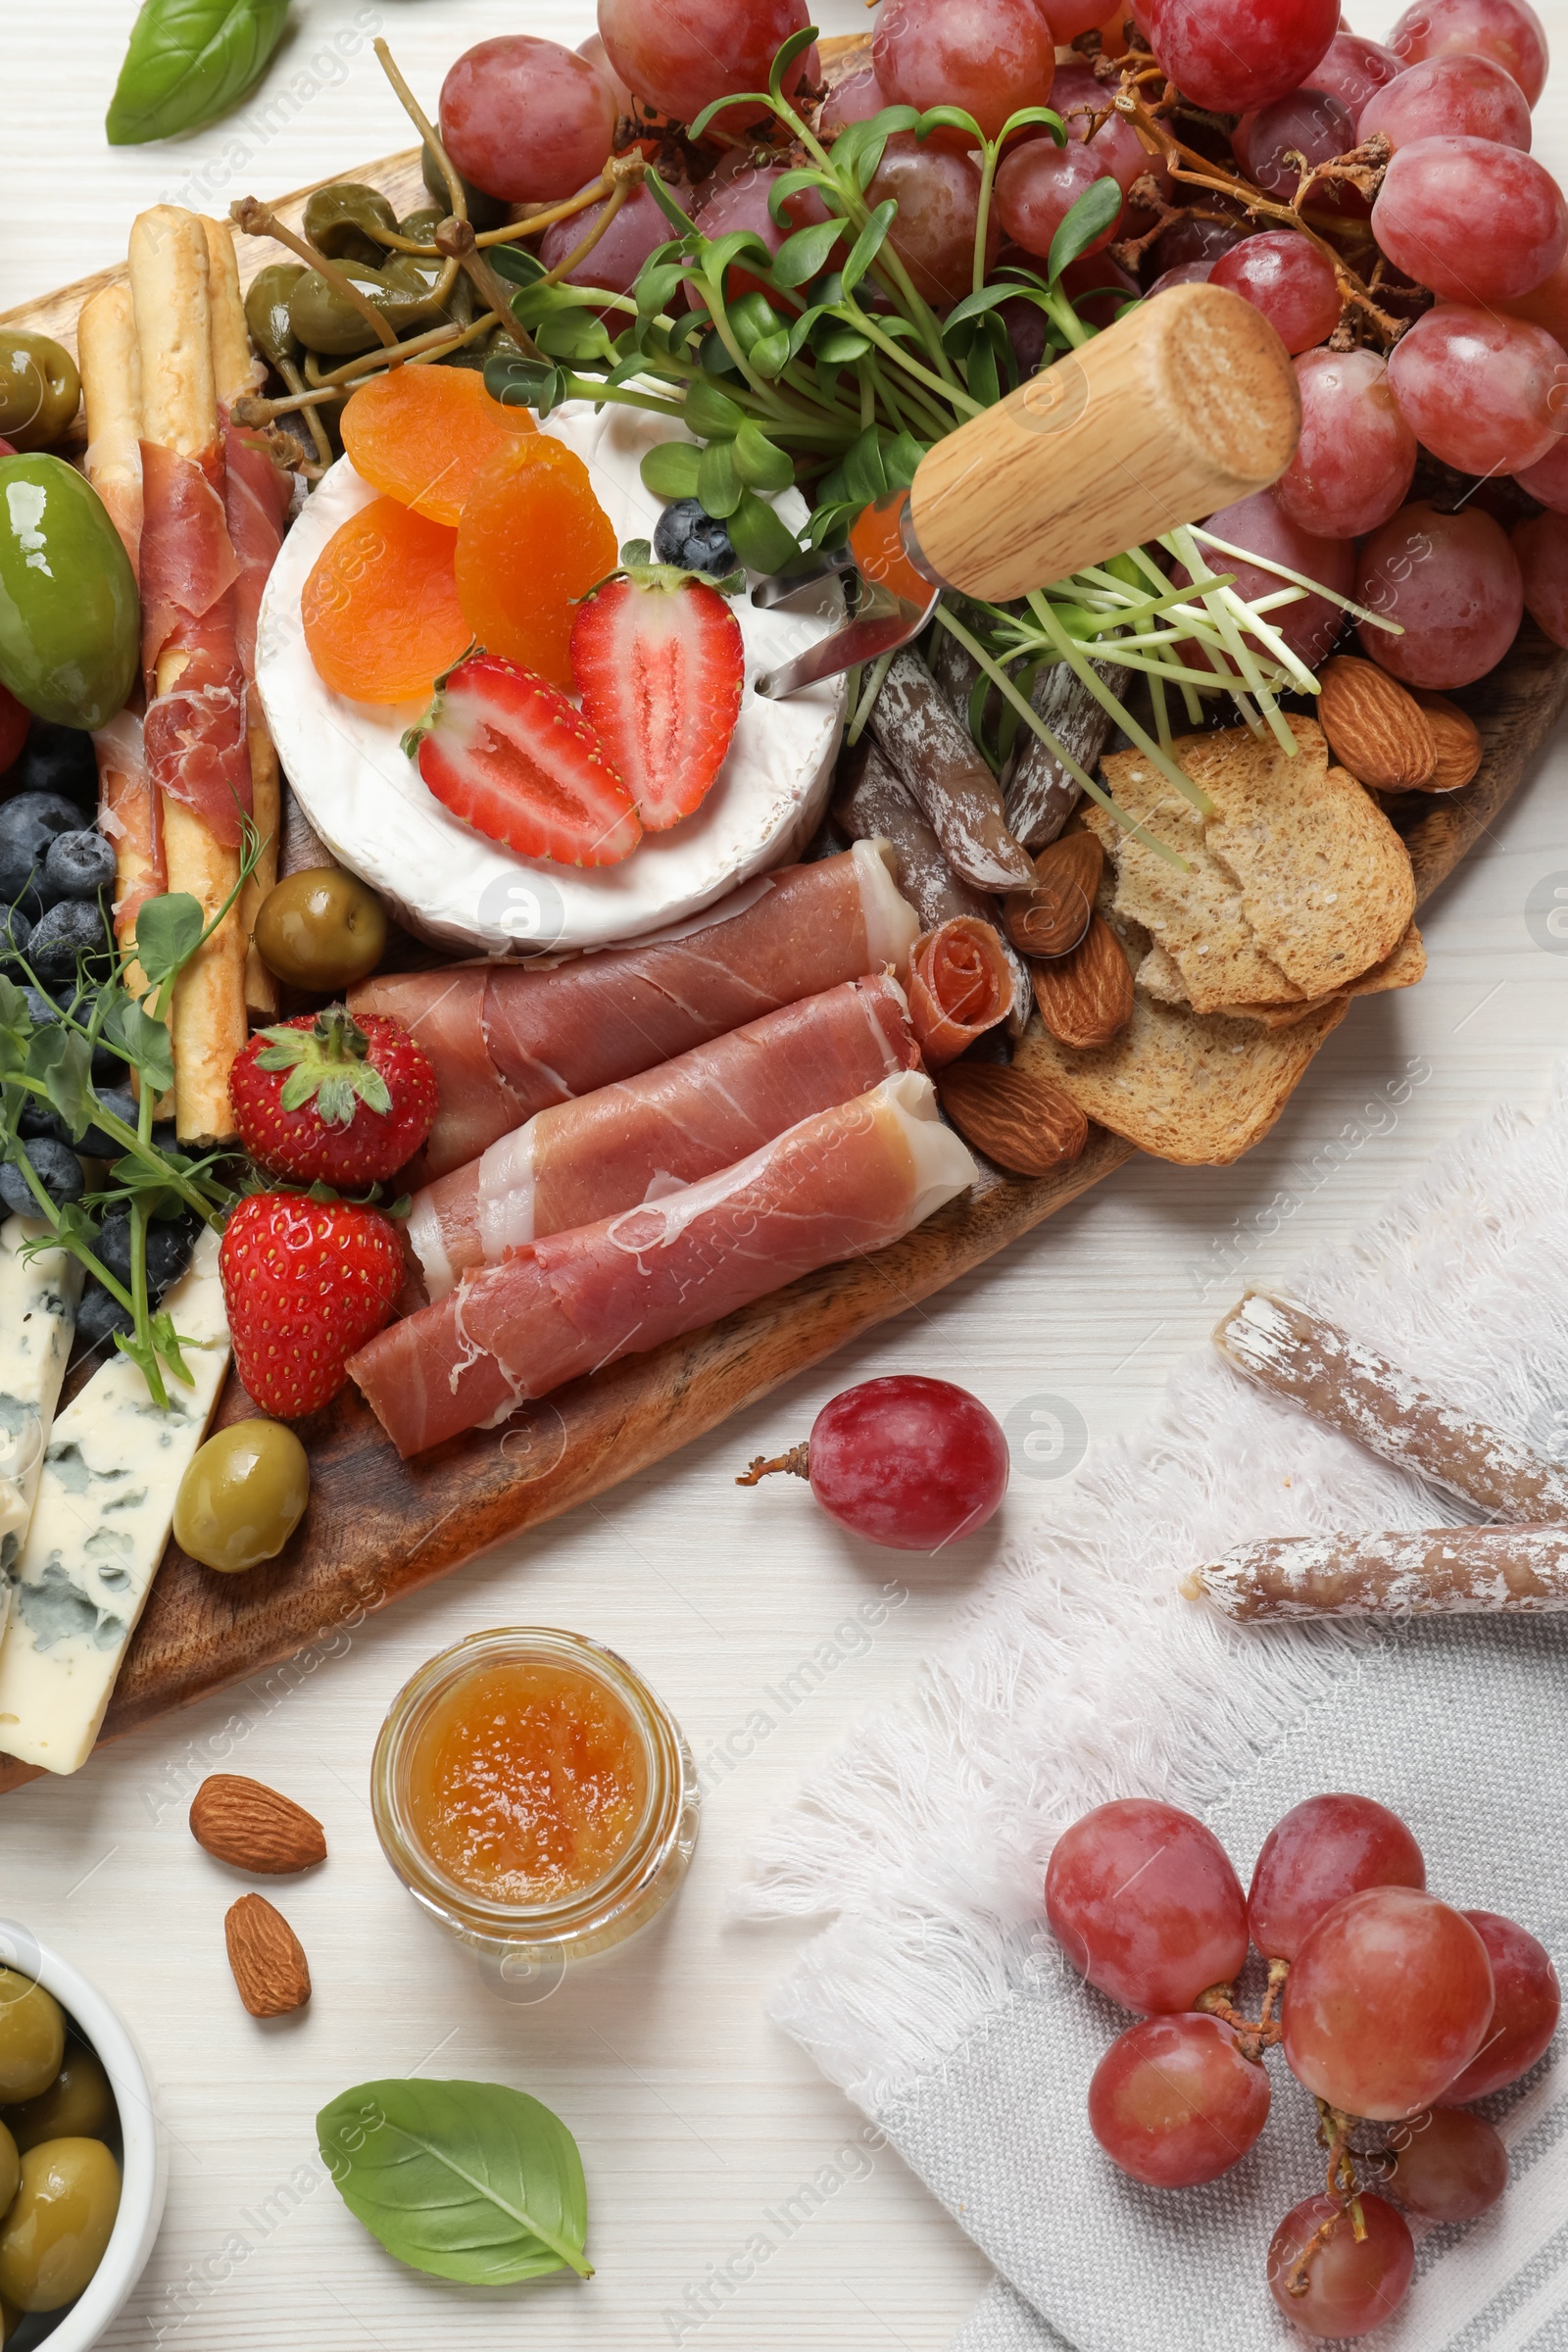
(1042,795)
(1446,1571)
(1352,1387)
(928,746)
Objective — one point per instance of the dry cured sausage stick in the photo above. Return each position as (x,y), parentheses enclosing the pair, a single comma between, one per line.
(931,750)
(1346,1383)
(1041,793)
(1447,1571)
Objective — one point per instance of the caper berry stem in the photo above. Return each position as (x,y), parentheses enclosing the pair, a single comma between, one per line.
(433,345)
(457,241)
(257,219)
(425,128)
(307,404)
(580,251)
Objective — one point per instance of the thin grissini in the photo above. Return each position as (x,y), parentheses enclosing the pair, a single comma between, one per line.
(1445,1571)
(929,748)
(1041,792)
(1351,1386)
(109,358)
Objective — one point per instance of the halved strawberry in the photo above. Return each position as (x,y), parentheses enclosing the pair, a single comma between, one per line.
(656,656)
(508,753)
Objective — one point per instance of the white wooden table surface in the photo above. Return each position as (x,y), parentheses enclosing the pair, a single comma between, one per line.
(697,2121)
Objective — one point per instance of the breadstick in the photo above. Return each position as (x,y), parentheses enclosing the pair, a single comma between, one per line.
(1449,1571)
(236,369)
(110,361)
(1342,1382)
(928,747)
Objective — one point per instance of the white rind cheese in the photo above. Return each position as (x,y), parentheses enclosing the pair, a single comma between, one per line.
(104,1508)
(38,1298)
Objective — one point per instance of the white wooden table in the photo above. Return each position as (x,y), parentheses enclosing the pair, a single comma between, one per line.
(699,2122)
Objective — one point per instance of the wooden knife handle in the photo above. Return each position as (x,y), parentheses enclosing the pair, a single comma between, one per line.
(1186,404)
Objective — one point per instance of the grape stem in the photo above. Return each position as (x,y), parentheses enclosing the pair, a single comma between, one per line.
(1297,2282)
(1253,2035)
(797,1462)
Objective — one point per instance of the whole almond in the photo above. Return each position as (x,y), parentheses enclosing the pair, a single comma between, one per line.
(252,1825)
(1022,1122)
(1086,998)
(1457,738)
(266,1957)
(1375,727)
(1053,917)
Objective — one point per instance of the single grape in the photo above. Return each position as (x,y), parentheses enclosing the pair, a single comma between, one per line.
(1192,240)
(1069,17)
(1483,393)
(1184,274)
(1453,583)
(1309,123)
(637,229)
(1541,547)
(933,232)
(854,99)
(1142,1899)
(1456,95)
(990,57)
(1174,2103)
(1289,281)
(1346,2288)
(1351,68)
(598,56)
(1507,30)
(1472,220)
(1261,527)
(1529,1997)
(1447,2166)
(1354,461)
(1080,98)
(683,53)
(1547,479)
(1388,2000)
(1324,1849)
(1236,54)
(1037,187)
(527,120)
(912,1463)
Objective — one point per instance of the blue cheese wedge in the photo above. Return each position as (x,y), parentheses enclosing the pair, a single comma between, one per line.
(38,1298)
(104,1508)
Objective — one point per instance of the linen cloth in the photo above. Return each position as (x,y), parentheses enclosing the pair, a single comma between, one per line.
(937,1997)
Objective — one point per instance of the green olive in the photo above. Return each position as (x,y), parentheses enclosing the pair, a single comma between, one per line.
(9,2176)
(70,620)
(266,312)
(39,389)
(33,2038)
(484,212)
(53,2238)
(77,2104)
(338,222)
(242,1496)
(9,2317)
(321,929)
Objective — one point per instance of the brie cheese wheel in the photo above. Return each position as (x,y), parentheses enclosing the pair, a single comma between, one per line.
(365,798)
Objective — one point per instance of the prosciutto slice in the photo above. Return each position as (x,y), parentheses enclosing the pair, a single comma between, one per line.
(961,985)
(195,734)
(837,1185)
(130,814)
(257,497)
(671,1126)
(509,1041)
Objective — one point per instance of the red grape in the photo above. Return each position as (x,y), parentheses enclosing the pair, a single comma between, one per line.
(1174,2103)
(527,120)
(1289,281)
(1507,30)
(637,229)
(938,196)
(1348,2287)
(1452,582)
(1483,393)
(598,56)
(1525,2016)
(1308,123)
(1069,17)
(1386,2000)
(1547,478)
(854,99)
(1323,1850)
(990,57)
(1352,69)
(1143,1901)
(1354,461)
(1448,2166)
(1184,274)
(1079,97)
(912,1463)
(683,53)
(1541,547)
(1261,526)
(1233,54)
(1471,219)
(1037,187)
(1463,96)
(1189,239)
(1545,305)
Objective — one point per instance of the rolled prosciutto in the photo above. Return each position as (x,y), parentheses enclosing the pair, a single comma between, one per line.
(509,1040)
(837,1185)
(670,1126)
(195,731)
(961,985)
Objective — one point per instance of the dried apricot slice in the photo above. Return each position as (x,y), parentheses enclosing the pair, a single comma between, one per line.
(380,608)
(421,435)
(532,539)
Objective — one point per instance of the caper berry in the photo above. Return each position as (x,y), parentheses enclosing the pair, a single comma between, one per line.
(60,2222)
(32,2040)
(39,388)
(326,321)
(420,226)
(242,1496)
(266,312)
(321,929)
(79,2104)
(338,219)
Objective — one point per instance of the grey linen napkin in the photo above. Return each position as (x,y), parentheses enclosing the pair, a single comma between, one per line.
(938,1998)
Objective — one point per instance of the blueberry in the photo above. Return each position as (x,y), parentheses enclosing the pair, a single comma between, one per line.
(687,536)
(36,1118)
(63,935)
(97,1143)
(27,825)
(58,760)
(79,865)
(170,1243)
(15,928)
(42,1010)
(57,1168)
(100,1315)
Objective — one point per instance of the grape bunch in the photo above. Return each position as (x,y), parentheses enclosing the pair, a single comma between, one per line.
(1392,2008)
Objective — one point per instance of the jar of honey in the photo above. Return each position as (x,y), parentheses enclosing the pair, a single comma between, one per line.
(534,1796)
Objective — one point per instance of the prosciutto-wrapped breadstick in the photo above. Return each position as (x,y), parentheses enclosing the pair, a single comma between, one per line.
(508,1040)
(848,1181)
(1342,1382)
(1449,1571)
(129,814)
(961,985)
(1041,792)
(672,1125)
(928,746)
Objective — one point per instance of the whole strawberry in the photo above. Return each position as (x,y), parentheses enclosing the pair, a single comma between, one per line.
(305,1283)
(334,1099)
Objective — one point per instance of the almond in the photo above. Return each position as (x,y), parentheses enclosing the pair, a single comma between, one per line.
(1460,750)
(1018,1120)
(1053,917)
(1086,998)
(268,1960)
(245,1823)
(1375,727)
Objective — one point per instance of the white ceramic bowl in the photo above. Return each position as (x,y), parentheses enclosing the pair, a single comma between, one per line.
(144,2161)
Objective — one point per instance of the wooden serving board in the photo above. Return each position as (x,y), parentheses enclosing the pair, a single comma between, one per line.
(378,1527)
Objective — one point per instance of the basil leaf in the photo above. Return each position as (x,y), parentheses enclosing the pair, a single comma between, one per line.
(168,930)
(189,60)
(468,2181)
(1096,208)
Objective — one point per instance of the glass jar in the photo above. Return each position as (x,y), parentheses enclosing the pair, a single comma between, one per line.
(526,1942)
